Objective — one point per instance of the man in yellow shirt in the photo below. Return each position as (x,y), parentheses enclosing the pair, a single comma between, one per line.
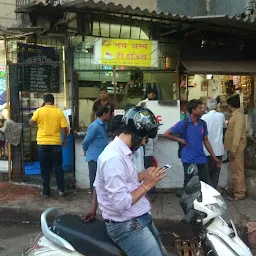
(51,121)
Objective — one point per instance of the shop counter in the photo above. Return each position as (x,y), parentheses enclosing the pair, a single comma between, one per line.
(166,152)
(81,167)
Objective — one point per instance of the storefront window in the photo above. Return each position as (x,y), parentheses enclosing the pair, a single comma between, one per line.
(214,86)
(132,83)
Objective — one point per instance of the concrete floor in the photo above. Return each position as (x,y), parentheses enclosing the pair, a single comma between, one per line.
(14,237)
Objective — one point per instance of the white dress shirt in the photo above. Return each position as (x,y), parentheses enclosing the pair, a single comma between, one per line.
(215,123)
(115,180)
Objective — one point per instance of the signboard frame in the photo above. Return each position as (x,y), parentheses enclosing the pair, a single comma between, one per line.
(38,68)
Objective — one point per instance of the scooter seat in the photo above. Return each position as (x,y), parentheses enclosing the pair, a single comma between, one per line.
(89,239)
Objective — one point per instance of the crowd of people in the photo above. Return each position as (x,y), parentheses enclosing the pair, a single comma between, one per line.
(123,173)
(200,136)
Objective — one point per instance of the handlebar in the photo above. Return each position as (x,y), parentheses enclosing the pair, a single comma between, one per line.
(188,217)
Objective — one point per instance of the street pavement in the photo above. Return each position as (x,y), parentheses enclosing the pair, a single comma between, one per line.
(15,236)
(25,204)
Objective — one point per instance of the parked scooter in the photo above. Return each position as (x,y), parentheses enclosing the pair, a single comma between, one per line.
(68,235)
(203,206)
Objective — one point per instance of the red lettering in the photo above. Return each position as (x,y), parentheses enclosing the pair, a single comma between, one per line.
(159,119)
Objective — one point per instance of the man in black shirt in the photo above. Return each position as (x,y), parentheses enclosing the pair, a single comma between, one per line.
(230,90)
(103,100)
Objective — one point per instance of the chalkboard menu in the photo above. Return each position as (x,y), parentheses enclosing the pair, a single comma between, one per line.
(38,68)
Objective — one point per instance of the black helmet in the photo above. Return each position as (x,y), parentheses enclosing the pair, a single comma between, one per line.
(141,121)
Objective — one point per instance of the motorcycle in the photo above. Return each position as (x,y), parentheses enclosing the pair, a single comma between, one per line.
(203,206)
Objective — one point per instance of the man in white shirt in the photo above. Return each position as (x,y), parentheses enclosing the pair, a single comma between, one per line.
(150,96)
(215,123)
(150,146)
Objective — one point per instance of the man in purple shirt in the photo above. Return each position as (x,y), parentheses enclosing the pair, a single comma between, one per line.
(120,193)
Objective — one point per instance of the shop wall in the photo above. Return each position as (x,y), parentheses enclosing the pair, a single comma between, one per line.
(7,14)
(196,92)
(2,54)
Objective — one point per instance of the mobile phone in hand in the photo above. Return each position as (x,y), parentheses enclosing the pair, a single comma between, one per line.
(166,168)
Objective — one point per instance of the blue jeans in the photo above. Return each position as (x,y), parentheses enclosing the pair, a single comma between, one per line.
(50,156)
(137,237)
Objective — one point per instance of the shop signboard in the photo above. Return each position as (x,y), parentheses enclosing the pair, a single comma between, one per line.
(2,84)
(38,68)
(126,52)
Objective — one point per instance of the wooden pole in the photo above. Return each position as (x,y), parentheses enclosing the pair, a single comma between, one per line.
(115,83)
(64,77)
(7,104)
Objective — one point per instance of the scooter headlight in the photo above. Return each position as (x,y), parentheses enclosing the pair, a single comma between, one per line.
(219,207)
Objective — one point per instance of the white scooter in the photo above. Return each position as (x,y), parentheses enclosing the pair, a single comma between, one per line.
(203,207)
(68,235)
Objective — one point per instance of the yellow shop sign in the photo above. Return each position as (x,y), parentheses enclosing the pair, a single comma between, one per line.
(125,52)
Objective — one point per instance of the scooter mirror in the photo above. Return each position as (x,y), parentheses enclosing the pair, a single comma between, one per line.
(193,185)
(192,169)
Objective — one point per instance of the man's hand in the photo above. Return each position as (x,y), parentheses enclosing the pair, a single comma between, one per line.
(32,122)
(88,217)
(64,143)
(152,176)
(143,104)
(84,152)
(141,176)
(218,162)
(232,156)
(182,141)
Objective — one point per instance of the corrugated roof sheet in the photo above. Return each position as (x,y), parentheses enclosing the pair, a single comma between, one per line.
(103,7)
(227,21)
(240,24)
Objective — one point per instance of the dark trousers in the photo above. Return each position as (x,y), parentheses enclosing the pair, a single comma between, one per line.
(203,173)
(214,170)
(92,173)
(149,162)
(50,156)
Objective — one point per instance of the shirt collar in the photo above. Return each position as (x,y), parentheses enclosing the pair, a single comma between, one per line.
(190,120)
(50,106)
(99,121)
(99,101)
(125,149)
(212,111)
(235,112)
